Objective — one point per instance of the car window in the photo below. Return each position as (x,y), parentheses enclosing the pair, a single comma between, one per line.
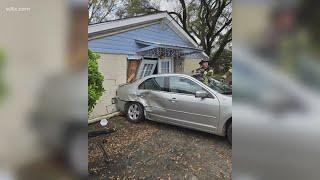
(183,85)
(156,84)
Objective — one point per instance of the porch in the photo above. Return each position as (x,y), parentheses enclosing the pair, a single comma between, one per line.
(159,58)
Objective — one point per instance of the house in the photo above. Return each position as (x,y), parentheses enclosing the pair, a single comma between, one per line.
(136,47)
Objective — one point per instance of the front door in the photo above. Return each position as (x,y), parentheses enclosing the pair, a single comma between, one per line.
(187,110)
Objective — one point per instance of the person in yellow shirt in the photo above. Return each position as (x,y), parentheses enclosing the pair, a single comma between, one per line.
(204,71)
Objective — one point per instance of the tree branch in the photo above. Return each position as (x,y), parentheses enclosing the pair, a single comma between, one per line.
(178,15)
(184,14)
(226,39)
(223,27)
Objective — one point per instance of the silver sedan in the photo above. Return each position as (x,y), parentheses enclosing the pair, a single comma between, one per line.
(177,99)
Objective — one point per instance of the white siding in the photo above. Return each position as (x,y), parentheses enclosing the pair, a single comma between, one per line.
(114,69)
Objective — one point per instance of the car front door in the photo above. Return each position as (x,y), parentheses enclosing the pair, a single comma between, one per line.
(187,110)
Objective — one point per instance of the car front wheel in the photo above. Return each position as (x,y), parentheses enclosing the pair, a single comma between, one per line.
(135,112)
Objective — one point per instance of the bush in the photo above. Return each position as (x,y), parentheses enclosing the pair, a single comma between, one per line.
(95,80)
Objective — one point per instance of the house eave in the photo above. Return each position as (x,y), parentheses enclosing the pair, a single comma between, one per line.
(122,23)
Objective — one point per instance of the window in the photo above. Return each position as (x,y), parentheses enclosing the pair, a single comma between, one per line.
(146,68)
(157,84)
(146,71)
(165,66)
(183,85)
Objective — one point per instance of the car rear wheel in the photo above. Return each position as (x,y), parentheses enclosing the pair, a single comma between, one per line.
(229,133)
(135,112)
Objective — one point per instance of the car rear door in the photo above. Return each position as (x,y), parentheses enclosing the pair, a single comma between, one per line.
(154,94)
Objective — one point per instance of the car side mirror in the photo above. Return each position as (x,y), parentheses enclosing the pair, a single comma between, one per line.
(202,94)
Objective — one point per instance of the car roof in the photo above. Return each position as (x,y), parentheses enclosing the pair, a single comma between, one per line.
(163,75)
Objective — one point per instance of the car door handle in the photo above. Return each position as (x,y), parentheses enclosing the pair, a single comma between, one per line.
(173,100)
(141,96)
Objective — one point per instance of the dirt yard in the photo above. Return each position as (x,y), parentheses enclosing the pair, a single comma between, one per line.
(151,150)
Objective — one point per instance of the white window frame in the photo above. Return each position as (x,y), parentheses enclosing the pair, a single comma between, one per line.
(165,60)
(144,62)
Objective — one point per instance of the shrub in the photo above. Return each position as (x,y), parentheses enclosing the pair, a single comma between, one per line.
(95,80)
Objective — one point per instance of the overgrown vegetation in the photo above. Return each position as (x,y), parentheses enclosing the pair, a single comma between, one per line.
(95,80)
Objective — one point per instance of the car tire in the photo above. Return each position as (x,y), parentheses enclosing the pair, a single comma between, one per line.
(135,112)
(229,133)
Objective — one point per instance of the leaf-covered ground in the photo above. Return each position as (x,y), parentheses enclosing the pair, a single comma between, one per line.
(151,150)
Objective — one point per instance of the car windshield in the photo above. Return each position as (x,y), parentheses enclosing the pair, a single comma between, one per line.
(220,87)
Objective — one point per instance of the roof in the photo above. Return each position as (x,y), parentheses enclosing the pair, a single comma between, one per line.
(114,26)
